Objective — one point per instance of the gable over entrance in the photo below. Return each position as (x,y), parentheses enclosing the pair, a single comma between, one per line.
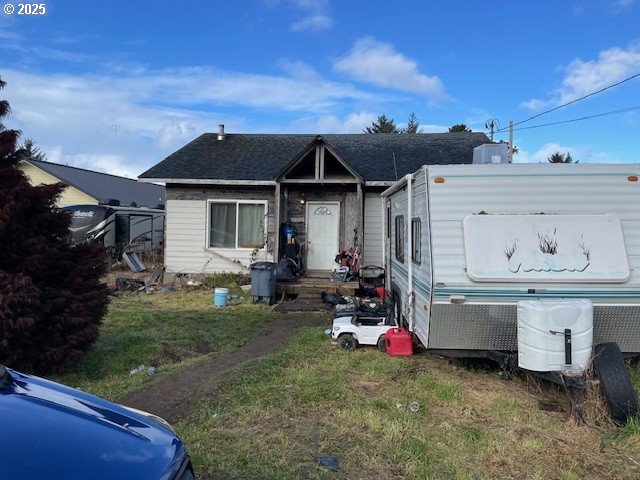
(318,163)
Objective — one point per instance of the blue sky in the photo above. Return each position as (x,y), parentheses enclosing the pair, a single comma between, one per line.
(117,87)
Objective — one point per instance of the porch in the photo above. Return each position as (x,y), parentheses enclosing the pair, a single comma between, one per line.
(312,285)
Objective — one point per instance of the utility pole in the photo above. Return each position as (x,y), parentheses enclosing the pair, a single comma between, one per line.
(510,141)
(490,125)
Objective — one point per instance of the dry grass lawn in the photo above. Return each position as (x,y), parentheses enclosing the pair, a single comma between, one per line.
(275,414)
(315,399)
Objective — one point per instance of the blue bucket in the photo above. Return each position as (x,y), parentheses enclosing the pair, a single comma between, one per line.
(220,297)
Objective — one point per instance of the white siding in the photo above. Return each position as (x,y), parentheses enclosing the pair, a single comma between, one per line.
(373,229)
(185,242)
(527,189)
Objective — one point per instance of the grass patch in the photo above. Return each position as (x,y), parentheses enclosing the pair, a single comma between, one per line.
(167,330)
(312,398)
(276,413)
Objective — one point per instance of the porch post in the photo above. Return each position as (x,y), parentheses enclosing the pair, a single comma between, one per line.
(276,249)
(360,198)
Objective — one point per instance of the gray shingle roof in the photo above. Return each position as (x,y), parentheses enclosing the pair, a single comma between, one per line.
(104,186)
(262,157)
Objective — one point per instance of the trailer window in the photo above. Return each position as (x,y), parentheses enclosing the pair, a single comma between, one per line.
(416,237)
(400,238)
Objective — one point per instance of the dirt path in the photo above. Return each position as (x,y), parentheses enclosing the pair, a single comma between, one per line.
(172,397)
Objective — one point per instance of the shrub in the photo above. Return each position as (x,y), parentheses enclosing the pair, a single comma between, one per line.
(51,297)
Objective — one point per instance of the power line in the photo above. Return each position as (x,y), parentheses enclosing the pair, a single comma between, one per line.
(581,118)
(575,101)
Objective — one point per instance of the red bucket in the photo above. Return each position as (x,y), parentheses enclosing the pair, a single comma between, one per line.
(380,293)
(398,342)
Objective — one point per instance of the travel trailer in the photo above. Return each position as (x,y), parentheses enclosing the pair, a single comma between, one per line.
(130,229)
(527,264)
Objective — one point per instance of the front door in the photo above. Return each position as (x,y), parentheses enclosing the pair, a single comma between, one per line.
(323,219)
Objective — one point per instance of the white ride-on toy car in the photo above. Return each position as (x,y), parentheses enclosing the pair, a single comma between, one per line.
(353,328)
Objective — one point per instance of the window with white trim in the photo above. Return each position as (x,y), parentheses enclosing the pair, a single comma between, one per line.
(237,224)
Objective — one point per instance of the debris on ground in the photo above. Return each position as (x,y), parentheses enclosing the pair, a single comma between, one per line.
(413,406)
(151,370)
(245,288)
(215,416)
(167,289)
(129,284)
(137,370)
(133,261)
(333,298)
(155,277)
(194,283)
(327,331)
(329,462)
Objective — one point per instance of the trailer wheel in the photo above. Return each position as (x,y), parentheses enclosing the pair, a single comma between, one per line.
(382,346)
(347,342)
(615,382)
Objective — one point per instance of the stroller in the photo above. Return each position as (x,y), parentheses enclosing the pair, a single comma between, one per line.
(372,281)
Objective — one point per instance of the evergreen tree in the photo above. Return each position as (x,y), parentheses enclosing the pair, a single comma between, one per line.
(383,124)
(51,296)
(558,157)
(33,152)
(413,126)
(459,127)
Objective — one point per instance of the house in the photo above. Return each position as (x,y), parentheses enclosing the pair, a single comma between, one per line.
(87,187)
(227,194)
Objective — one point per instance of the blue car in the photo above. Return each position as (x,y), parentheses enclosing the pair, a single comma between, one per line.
(50,431)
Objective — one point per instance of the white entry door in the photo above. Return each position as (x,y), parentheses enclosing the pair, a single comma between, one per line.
(323,219)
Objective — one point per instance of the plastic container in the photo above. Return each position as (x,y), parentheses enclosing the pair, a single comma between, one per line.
(491,153)
(263,281)
(555,335)
(220,297)
(399,342)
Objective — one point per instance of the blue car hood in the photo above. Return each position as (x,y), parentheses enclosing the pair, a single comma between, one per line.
(51,431)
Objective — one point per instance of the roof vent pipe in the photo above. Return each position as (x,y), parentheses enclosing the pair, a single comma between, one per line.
(221,131)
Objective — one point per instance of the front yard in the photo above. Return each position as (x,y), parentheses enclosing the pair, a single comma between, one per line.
(272,415)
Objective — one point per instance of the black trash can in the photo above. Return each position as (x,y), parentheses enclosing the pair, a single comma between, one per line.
(263,282)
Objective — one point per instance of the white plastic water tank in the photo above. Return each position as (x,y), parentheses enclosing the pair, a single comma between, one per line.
(547,328)
(491,153)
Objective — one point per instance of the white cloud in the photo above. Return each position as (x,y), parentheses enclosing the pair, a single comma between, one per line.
(379,63)
(584,154)
(313,15)
(177,133)
(107,163)
(584,77)
(314,22)
(127,121)
(624,3)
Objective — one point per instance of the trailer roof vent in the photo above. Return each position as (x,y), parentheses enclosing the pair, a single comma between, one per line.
(491,153)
